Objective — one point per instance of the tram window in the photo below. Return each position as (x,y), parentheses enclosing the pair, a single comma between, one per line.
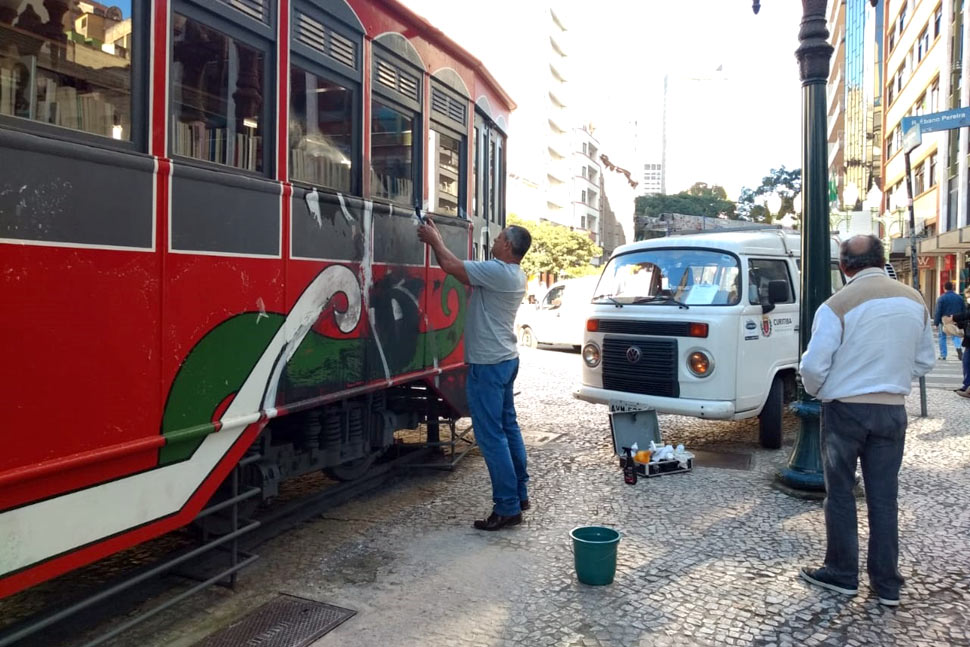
(321,131)
(446,186)
(69,70)
(217,97)
(392,154)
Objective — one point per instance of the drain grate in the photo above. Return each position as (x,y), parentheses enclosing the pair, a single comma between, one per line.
(721,460)
(287,621)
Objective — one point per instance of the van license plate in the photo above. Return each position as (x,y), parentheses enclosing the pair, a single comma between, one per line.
(620,406)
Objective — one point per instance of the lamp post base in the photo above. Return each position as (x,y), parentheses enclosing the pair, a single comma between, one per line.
(803,478)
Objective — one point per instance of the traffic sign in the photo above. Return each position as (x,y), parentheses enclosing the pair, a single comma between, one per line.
(934,121)
(912,138)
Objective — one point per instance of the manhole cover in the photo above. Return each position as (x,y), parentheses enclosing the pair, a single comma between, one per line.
(287,621)
(721,460)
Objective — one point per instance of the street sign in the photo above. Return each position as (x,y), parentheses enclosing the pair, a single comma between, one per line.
(912,138)
(934,121)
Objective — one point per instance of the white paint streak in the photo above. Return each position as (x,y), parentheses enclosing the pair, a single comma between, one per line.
(367,276)
(313,204)
(343,209)
(262,310)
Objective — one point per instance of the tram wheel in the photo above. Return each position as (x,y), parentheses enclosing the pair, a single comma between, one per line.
(351,470)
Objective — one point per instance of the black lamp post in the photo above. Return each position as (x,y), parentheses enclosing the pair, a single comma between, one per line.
(803,475)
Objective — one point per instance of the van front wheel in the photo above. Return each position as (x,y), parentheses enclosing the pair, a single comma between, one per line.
(769,422)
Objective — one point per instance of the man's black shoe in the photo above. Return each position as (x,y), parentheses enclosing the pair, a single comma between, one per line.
(497,521)
(524,505)
(819,577)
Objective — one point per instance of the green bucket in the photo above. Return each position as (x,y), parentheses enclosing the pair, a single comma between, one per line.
(594,552)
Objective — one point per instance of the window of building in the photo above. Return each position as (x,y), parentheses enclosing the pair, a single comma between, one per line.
(325,81)
(932,164)
(583,198)
(920,106)
(899,77)
(889,145)
(919,179)
(892,40)
(67,78)
(447,144)
(902,18)
(395,119)
(890,92)
(218,96)
(922,44)
(935,95)
(937,21)
(582,222)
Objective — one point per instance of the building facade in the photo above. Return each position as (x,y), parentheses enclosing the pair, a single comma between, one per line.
(653,178)
(585,192)
(918,53)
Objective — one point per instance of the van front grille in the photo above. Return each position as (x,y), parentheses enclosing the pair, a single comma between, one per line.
(659,328)
(654,373)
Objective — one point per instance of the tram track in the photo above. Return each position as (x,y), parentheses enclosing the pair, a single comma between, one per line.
(102,612)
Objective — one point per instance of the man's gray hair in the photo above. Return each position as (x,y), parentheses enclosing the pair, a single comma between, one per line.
(861,252)
(520,240)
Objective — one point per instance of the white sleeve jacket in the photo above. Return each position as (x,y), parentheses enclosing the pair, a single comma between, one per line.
(872,337)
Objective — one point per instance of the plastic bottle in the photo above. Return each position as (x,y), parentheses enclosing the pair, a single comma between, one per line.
(629,468)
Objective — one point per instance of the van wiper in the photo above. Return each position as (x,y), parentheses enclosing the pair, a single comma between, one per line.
(612,300)
(661,298)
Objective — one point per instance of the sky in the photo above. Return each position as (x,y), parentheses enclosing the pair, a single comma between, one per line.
(619,52)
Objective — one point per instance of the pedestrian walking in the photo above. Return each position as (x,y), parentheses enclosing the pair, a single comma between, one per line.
(493,363)
(949,304)
(961,321)
(869,340)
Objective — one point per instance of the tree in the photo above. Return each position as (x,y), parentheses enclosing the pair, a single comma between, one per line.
(786,183)
(699,200)
(556,249)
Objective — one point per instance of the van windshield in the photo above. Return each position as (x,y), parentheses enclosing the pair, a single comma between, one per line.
(654,276)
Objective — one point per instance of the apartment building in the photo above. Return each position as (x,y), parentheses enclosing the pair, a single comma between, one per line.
(653,178)
(855,98)
(586,175)
(919,50)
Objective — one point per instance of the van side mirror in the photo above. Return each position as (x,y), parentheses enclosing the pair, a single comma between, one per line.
(778,292)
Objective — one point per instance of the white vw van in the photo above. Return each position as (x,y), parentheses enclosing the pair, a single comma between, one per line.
(701,325)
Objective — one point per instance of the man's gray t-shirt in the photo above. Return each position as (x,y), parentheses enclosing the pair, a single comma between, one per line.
(490,324)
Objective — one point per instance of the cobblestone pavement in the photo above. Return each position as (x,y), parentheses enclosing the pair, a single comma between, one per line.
(706,558)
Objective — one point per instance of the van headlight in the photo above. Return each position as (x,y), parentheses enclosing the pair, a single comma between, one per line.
(591,355)
(700,363)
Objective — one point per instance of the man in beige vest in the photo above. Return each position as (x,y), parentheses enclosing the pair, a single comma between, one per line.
(869,341)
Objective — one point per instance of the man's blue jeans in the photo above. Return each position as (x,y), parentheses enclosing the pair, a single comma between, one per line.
(497,432)
(956,342)
(874,433)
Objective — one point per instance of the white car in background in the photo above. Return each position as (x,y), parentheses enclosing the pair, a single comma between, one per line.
(560,316)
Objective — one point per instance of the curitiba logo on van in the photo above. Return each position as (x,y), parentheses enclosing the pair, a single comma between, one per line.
(766,327)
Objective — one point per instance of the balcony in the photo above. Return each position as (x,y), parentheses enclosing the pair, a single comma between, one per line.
(834,149)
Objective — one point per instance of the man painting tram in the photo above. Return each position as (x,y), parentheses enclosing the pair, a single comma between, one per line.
(493,363)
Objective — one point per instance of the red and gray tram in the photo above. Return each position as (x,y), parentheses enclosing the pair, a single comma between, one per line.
(207,245)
